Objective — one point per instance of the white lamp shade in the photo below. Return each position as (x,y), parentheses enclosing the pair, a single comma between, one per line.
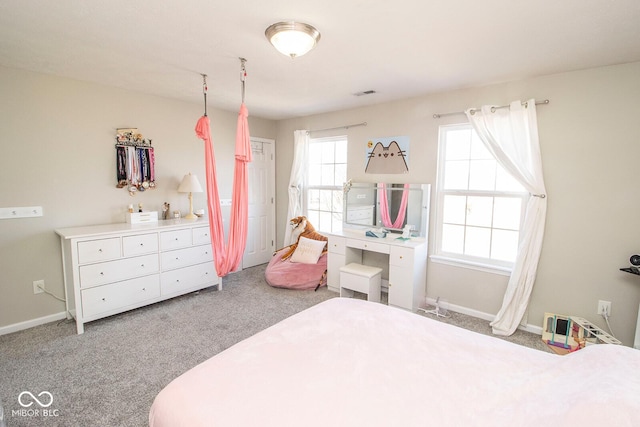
(190,184)
(292,38)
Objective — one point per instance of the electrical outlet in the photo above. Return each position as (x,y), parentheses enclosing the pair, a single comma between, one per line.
(36,289)
(604,307)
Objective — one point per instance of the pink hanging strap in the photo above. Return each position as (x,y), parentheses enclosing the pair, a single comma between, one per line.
(240,198)
(384,207)
(228,259)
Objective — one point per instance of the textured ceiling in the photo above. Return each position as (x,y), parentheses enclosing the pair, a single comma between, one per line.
(398,48)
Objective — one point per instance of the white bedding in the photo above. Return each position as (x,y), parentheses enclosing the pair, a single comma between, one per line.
(347,362)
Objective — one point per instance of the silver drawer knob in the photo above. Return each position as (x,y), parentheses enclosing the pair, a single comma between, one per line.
(102,273)
(100,250)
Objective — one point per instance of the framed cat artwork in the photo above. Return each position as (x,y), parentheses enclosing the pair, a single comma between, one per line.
(388,155)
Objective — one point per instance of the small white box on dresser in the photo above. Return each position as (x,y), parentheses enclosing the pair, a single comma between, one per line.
(141,217)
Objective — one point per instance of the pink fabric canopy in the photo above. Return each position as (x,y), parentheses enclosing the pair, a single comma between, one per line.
(228,259)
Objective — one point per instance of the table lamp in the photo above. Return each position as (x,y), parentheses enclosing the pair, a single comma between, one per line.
(190,185)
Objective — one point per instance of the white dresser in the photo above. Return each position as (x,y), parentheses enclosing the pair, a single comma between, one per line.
(407,265)
(113,268)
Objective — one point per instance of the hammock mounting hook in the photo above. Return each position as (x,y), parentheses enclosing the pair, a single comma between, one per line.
(243,75)
(204,91)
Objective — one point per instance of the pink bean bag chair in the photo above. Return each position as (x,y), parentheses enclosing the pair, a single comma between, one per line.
(294,275)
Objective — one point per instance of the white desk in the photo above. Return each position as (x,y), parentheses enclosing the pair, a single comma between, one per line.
(407,263)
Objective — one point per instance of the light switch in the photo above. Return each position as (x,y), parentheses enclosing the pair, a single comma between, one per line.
(21,212)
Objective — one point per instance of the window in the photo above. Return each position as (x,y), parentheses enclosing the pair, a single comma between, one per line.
(325,176)
(480,207)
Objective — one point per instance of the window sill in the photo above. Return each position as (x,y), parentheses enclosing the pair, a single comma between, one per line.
(486,268)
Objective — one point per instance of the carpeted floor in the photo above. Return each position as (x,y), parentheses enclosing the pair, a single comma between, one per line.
(526,339)
(110,375)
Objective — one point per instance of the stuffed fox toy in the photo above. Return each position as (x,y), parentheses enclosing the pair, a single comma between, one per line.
(302,227)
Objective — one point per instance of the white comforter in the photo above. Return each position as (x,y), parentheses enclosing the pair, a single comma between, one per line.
(349,362)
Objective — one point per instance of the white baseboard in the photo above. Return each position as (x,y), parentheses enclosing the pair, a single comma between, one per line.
(485,316)
(532,328)
(31,323)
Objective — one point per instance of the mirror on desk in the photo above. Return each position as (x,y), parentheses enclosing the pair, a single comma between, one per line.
(391,206)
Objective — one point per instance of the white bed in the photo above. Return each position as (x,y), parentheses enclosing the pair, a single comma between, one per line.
(347,362)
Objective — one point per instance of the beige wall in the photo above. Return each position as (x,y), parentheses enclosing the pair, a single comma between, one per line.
(57,145)
(590,142)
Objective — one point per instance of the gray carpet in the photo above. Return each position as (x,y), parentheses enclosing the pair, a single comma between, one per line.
(110,375)
(482,326)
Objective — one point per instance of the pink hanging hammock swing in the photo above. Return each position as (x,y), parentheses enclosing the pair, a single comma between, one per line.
(384,207)
(228,259)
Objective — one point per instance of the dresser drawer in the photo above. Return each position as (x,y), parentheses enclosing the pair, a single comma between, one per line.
(184,257)
(201,236)
(118,296)
(139,244)
(401,257)
(98,250)
(368,245)
(360,215)
(175,239)
(114,271)
(336,245)
(180,280)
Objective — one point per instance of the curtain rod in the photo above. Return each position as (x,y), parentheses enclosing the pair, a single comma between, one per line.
(437,116)
(339,127)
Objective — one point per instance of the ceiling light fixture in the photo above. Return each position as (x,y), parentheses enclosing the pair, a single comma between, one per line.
(292,38)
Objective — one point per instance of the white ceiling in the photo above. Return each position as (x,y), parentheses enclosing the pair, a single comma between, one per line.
(400,48)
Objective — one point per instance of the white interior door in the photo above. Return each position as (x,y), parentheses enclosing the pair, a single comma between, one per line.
(262,209)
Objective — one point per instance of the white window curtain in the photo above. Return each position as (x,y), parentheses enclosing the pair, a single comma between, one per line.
(296,180)
(511,134)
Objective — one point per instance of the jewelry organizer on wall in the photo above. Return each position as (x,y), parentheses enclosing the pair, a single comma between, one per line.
(135,161)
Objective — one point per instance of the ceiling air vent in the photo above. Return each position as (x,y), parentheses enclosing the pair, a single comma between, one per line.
(366,92)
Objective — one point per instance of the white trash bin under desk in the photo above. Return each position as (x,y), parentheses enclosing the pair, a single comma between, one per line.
(360,278)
